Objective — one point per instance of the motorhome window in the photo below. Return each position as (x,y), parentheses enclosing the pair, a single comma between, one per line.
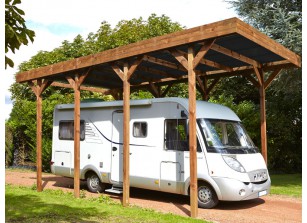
(176,135)
(140,129)
(223,136)
(66,130)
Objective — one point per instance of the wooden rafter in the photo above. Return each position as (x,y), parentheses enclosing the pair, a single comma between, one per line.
(214,30)
(180,57)
(271,77)
(253,81)
(163,63)
(201,86)
(235,55)
(214,82)
(211,63)
(202,52)
(157,72)
(154,90)
(118,71)
(259,75)
(39,86)
(134,66)
(166,90)
(84,88)
(216,65)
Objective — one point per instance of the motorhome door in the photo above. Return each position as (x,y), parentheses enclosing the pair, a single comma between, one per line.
(117,147)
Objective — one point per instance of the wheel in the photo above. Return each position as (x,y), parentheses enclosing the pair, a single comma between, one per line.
(93,183)
(207,197)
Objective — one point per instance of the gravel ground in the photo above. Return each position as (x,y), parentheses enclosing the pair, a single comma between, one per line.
(270,208)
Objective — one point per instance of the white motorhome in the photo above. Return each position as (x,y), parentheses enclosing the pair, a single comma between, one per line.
(229,166)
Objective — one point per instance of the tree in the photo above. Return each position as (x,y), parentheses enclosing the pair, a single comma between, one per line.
(16,32)
(282,21)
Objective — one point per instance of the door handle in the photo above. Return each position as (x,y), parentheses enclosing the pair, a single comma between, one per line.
(114,149)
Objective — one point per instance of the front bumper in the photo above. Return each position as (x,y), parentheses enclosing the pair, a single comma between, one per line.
(234,190)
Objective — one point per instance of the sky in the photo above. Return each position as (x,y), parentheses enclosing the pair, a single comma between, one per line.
(57,20)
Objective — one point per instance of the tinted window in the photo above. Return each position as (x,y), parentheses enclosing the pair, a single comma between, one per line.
(66,130)
(140,129)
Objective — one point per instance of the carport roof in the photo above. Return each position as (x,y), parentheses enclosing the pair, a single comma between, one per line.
(236,48)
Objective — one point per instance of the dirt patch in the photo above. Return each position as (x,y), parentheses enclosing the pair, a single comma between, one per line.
(266,209)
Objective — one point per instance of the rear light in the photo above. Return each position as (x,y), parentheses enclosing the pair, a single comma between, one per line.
(51,163)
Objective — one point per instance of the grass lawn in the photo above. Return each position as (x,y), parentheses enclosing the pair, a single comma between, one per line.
(24,204)
(287,184)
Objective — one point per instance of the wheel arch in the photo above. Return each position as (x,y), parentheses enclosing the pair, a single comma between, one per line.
(205,179)
(90,168)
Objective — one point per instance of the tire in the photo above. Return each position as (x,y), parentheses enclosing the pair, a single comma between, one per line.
(93,183)
(207,197)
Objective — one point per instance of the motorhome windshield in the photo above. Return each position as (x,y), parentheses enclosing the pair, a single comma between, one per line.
(222,136)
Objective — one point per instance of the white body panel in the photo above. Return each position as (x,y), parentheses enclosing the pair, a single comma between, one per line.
(152,166)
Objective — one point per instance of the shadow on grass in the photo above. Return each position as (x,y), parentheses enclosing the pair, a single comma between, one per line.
(31,208)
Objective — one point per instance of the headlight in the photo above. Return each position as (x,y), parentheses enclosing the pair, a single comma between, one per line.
(234,164)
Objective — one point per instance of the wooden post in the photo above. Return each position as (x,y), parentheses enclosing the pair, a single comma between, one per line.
(125,76)
(76,84)
(126,158)
(192,134)
(262,85)
(263,123)
(77,138)
(38,90)
(39,124)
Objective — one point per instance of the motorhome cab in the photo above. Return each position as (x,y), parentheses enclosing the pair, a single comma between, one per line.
(229,166)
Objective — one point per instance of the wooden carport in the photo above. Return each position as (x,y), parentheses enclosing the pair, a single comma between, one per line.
(222,49)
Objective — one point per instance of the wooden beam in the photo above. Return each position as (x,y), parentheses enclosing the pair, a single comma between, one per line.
(154,90)
(163,63)
(166,90)
(117,94)
(131,69)
(134,66)
(118,71)
(235,55)
(157,72)
(263,40)
(192,136)
(253,81)
(202,52)
(212,85)
(188,36)
(210,63)
(84,75)
(271,78)
(202,87)
(259,75)
(84,88)
(216,65)
(180,57)
(126,152)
